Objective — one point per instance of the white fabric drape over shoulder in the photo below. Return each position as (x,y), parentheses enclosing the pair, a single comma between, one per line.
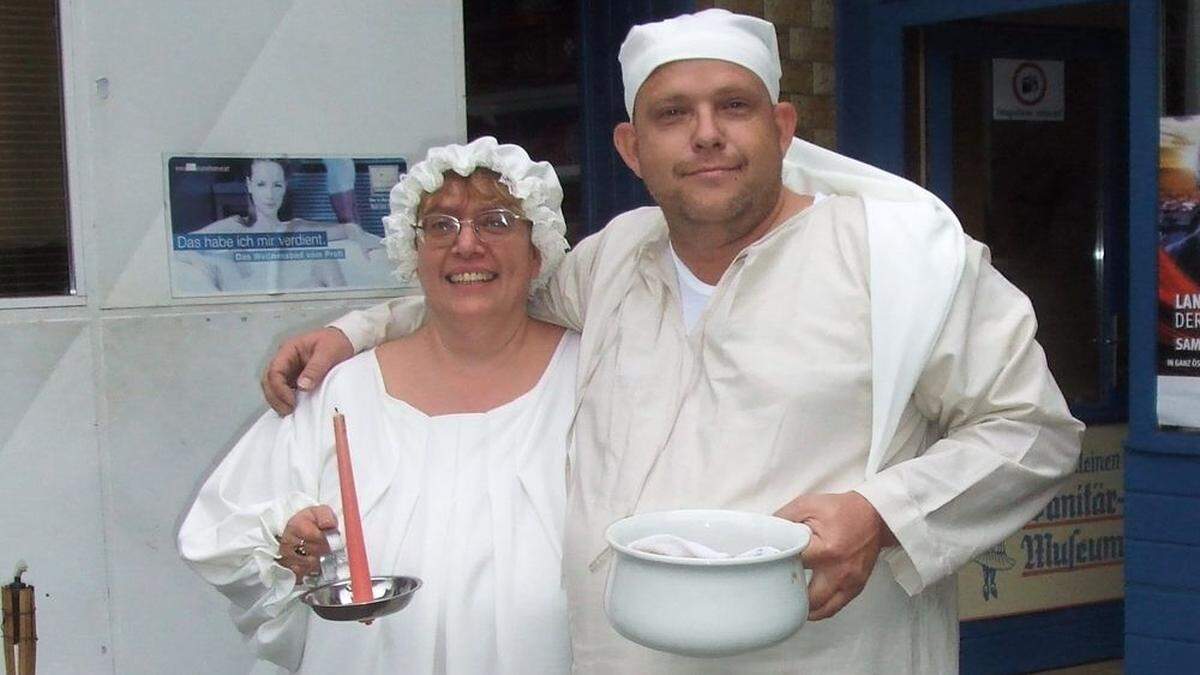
(911,286)
(472,504)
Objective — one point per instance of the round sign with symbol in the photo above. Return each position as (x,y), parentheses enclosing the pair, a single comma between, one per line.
(1029,83)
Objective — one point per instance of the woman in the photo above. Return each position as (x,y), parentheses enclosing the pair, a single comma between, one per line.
(458,435)
(266,185)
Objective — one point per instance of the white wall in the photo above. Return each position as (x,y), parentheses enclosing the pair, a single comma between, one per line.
(117,402)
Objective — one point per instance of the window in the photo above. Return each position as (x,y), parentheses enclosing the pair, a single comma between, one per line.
(1043,186)
(34,233)
(522,63)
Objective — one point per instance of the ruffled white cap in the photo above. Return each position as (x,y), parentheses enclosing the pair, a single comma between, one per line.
(534,184)
(712,34)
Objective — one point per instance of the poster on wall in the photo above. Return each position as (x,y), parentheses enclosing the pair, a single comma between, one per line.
(266,225)
(1178,356)
(1072,553)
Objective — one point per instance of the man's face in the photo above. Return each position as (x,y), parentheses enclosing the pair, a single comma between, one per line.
(708,143)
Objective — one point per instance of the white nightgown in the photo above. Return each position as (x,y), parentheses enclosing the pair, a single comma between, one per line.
(470,503)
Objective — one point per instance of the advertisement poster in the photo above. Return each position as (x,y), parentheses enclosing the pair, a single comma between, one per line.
(256,225)
(1178,273)
(1072,553)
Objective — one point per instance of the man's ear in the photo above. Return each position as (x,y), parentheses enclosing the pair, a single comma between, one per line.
(625,140)
(785,122)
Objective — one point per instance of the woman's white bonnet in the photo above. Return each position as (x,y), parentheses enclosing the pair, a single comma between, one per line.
(533,184)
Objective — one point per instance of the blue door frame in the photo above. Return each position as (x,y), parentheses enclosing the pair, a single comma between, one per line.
(609,187)
(871,107)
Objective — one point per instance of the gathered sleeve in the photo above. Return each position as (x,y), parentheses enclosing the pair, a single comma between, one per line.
(371,327)
(229,536)
(1007,440)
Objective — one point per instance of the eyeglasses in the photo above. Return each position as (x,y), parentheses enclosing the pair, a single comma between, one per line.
(441,229)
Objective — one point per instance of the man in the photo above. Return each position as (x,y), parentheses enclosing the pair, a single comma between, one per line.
(850,362)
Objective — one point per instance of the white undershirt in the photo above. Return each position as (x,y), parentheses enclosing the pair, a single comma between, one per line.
(694,294)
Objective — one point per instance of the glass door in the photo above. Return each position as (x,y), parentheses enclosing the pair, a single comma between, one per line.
(1022,135)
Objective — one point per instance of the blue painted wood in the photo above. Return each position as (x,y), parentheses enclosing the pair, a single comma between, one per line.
(1172,614)
(609,187)
(1036,641)
(1152,656)
(1162,622)
(1145,649)
(1149,439)
(853,82)
(1144,68)
(1161,565)
(939,116)
(924,12)
(1163,518)
(886,96)
(1153,472)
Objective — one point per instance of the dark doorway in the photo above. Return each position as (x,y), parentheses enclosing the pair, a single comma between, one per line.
(1019,123)
(1044,186)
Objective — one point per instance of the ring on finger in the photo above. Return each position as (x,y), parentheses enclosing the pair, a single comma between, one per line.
(300,549)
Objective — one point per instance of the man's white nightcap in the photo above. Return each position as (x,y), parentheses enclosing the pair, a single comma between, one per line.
(712,34)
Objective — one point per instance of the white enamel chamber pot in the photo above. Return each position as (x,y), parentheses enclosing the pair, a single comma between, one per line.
(708,607)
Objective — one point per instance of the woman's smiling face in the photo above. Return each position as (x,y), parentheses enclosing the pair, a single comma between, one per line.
(472,278)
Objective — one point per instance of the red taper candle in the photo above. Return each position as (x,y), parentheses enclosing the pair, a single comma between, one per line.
(356,550)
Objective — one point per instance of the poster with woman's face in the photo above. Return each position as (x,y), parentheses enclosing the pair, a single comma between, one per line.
(269,225)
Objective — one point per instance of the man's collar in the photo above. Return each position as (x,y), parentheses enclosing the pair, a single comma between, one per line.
(655,250)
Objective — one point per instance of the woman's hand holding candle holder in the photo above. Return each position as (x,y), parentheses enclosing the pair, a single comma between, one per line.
(303,541)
